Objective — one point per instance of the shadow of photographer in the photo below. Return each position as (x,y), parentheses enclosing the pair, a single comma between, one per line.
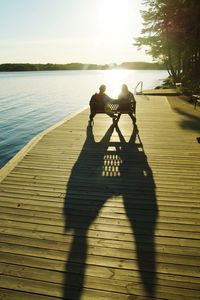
(99,174)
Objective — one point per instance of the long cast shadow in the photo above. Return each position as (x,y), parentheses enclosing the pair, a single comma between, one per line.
(98,174)
(190,121)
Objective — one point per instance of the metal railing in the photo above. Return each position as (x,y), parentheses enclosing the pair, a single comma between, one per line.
(141,88)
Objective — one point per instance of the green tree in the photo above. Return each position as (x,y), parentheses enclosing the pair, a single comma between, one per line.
(171,33)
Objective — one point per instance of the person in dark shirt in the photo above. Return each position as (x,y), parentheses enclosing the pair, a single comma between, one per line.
(127,102)
(98,102)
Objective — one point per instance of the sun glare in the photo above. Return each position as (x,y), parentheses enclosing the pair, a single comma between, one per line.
(113,80)
(113,17)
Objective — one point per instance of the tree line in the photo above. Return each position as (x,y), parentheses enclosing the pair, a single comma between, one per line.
(15,67)
(171,34)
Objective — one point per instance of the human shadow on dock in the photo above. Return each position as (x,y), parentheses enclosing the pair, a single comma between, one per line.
(104,170)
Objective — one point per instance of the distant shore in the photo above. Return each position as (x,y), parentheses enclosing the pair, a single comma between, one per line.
(19,67)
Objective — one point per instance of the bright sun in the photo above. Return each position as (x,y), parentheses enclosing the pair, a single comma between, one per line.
(113,17)
(113,80)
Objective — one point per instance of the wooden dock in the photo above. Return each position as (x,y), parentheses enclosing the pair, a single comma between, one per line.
(105,212)
(160,92)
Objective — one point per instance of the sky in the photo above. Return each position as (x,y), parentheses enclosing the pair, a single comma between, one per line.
(65,31)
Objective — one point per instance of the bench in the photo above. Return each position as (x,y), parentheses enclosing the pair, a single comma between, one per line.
(113,110)
(196,100)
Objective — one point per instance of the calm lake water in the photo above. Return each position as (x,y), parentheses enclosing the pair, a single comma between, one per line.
(33,101)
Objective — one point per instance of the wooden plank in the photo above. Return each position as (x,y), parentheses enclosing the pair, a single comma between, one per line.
(165,232)
(8,294)
(100,283)
(62,188)
(46,217)
(165,221)
(93,241)
(141,231)
(186,242)
(97,271)
(99,251)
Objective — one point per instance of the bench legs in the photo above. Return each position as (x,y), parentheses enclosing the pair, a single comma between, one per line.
(114,116)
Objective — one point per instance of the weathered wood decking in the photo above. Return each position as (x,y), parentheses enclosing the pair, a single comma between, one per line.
(160,92)
(105,213)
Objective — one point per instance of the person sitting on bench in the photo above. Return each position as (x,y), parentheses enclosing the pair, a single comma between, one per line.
(98,102)
(127,102)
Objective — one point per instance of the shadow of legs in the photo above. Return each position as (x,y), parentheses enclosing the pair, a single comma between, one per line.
(75,267)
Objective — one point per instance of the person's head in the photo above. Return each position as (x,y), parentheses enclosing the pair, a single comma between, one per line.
(124,88)
(102,88)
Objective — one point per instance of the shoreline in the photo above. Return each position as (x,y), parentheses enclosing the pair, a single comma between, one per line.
(20,67)
(10,165)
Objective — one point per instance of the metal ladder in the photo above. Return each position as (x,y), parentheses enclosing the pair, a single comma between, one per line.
(140,83)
